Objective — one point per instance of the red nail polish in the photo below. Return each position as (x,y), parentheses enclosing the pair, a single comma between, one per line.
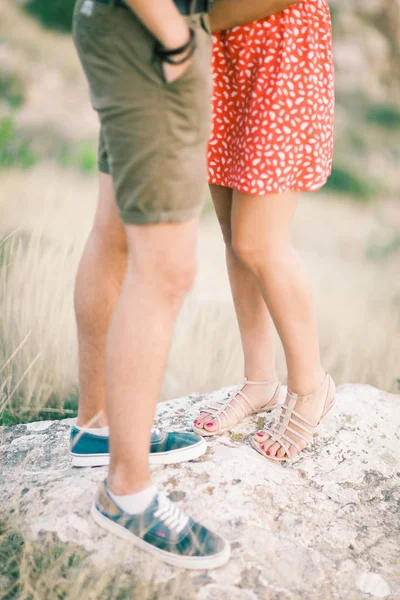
(269,453)
(210,424)
(260,434)
(262,447)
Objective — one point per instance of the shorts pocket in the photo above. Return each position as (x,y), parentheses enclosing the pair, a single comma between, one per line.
(159,67)
(188,98)
(94,19)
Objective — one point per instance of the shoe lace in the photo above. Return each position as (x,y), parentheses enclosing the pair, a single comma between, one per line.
(170,514)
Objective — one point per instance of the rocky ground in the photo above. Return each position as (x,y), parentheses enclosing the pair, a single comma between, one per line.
(324,527)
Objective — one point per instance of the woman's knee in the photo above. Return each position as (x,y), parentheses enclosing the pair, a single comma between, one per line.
(226,230)
(257,254)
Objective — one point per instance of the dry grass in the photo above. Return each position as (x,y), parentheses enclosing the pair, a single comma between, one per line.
(50,210)
(46,569)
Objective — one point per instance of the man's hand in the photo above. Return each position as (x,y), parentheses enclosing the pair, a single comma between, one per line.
(163,19)
(174,72)
(225,14)
(168,26)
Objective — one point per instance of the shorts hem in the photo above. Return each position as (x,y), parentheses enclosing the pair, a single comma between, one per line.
(178,216)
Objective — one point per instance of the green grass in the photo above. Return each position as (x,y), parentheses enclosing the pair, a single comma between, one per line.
(53,14)
(387,116)
(13,415)
(44,556)
(11,89)
(82,157)
(15,149)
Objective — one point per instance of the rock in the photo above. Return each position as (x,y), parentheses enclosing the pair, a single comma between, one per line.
(373,584)
(323,527)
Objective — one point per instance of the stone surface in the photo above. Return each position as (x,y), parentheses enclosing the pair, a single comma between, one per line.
(326,526)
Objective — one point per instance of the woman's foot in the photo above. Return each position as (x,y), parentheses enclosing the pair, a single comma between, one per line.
(252,397)
(300,417)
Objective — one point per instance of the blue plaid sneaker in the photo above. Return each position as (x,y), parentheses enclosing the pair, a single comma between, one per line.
(88,450)
(164,531)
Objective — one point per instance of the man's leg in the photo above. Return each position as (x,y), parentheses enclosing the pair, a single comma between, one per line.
(98,285)
(97,288)
(160,272)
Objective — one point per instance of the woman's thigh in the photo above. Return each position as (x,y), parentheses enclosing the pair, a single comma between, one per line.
(222,199)
(262,222)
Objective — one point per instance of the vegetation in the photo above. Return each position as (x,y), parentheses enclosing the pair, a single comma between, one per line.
(56,14)
(15,149)
(48,569)
(387,116)
(346,181)
(82,157)
(12,89)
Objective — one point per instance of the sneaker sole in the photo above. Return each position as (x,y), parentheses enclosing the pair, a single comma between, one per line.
(160,458)
(185,562)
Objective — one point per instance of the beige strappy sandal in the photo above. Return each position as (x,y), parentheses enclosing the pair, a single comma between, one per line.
(234,400)
(291,417)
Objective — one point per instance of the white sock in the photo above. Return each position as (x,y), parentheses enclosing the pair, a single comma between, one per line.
(135,504)
(101,431)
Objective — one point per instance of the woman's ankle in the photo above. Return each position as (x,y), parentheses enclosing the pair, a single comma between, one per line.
(306,383)
(262,375)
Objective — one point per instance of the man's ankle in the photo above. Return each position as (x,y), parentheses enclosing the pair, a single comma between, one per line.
(136,502)
(124,486)
(97,421)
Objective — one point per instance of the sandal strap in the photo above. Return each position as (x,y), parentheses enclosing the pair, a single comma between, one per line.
(248,382)
(289,417)
(278,437)
(285,446)
(220,407)
(304,398)
(245,398)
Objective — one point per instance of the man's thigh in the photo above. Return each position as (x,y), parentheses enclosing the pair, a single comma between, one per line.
(153,134)
(166,248)
(107,222)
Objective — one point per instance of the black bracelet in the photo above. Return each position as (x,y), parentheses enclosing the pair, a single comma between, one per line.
(180,61)
(165,54)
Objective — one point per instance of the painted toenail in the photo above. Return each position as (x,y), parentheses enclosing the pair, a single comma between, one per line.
(260,434)
(210,424)
(269,453)
(262,447)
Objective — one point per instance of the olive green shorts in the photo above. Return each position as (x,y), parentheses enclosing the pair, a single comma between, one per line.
(153,134)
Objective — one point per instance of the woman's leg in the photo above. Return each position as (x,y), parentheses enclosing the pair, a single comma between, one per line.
(261,241)
(255,323)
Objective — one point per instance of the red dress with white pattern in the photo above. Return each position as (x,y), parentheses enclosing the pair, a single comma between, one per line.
(273,103)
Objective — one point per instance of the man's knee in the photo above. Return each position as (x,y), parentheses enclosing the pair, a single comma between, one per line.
(171,280)
(110,239)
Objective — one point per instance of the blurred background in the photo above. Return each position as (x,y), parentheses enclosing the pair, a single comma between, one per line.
(349,233)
